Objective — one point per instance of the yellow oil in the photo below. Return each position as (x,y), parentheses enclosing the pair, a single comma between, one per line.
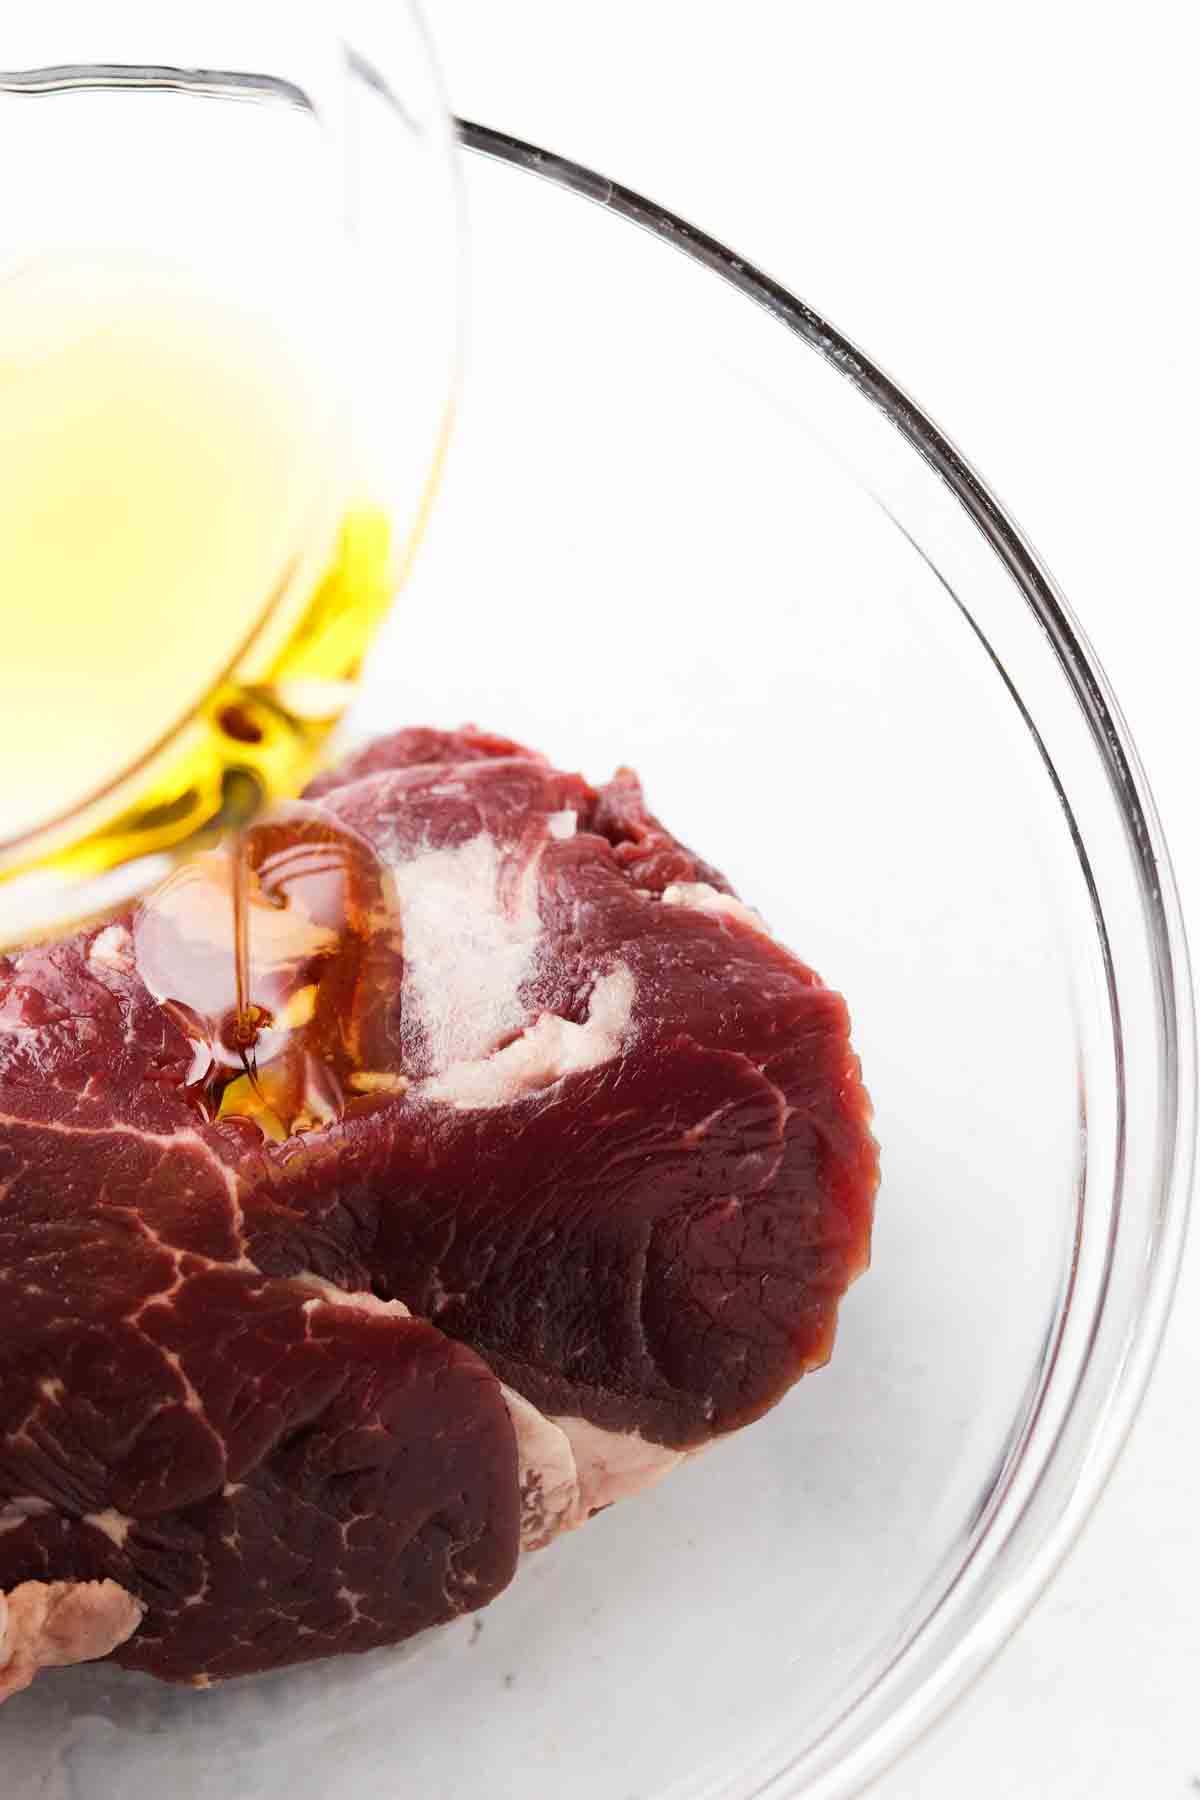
(189,571)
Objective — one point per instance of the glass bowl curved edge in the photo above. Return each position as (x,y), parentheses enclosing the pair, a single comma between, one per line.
(1045,1497)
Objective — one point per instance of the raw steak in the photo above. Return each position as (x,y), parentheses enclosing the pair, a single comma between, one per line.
(553,1168)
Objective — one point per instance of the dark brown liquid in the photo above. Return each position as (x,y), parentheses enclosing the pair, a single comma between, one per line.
(278,955)
(250,1020)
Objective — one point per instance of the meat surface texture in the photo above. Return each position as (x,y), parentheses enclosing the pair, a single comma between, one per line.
(554,1169)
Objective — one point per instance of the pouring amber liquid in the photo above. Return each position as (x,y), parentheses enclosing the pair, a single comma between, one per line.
(229,354)
(191,575)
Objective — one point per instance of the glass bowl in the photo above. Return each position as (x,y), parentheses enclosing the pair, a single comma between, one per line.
(688,526)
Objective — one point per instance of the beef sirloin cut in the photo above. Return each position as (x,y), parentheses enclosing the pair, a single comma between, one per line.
(553,1167)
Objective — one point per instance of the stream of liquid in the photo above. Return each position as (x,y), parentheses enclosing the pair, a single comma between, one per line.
(249,1020)
(278,955)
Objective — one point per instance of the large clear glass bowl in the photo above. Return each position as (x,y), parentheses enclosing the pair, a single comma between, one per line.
(688,526)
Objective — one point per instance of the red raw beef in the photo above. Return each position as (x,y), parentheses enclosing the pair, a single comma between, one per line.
(556,1170)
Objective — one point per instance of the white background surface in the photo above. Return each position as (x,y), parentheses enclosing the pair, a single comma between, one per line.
(1000,206)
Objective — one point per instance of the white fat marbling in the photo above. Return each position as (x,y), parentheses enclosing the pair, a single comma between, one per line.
(115,1525)
(546,1472)
(703,897)
(613,1465)
(569,1468)
(113,948)
(21,1507)
(467,950)
(545,1051)
(324,1293)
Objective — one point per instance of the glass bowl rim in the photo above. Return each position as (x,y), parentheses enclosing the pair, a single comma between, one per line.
(1005,1601)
